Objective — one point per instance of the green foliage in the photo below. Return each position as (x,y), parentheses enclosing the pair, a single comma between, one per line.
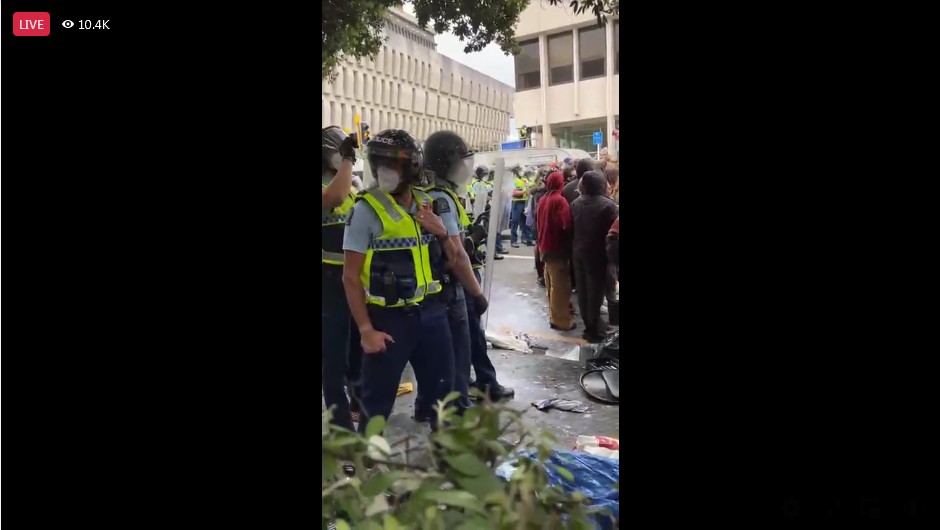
(457,488)
(352,28)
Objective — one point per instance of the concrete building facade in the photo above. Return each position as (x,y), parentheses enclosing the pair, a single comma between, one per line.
(409,85)
(568,77)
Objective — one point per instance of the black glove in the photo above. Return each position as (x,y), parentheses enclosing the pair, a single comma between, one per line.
(480,304)
(347,149)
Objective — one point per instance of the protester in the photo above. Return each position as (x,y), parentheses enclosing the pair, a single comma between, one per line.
(570,193)
(613,180)
(554,244)
(593,214)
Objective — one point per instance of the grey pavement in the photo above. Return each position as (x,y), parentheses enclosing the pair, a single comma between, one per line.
(519,306)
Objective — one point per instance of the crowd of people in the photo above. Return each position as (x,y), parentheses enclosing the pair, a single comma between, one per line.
(401,261)
(569,213)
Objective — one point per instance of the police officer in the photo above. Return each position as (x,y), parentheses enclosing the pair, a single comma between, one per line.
(490,176)
(470,200)
(339,343)
(448,161)
(392,242)
(479,190)
(516,215)
(475,247)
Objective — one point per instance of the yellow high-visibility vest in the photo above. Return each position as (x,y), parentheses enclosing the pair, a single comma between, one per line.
(332,228)
(401,234)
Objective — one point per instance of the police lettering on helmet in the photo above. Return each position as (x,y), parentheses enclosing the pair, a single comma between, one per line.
(394,161)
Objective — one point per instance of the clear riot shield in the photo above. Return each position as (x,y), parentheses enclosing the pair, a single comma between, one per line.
(499,221)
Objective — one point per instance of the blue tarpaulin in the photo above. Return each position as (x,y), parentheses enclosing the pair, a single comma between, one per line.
(594,477)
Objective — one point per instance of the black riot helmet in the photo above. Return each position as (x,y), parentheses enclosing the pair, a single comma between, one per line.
(449,157)
(398,148)
(481,171)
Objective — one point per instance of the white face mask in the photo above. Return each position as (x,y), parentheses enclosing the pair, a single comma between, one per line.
(389,179)
(460,175)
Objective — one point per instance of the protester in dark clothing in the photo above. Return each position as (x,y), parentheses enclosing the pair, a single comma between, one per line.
(613,245)
(554,243)
(612,174)
(570,193)
(571,189)
(593,215)
(613,268)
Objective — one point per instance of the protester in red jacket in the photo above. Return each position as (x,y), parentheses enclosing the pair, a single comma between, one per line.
(554,244)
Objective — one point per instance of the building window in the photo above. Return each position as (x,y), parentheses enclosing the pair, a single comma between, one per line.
(592,48)
(616,46)
(561,58)
(527,66)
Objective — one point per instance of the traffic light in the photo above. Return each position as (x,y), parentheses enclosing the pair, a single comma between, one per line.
(523,132)
(365,133)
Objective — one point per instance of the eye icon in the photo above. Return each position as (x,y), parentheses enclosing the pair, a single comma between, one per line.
(67,24)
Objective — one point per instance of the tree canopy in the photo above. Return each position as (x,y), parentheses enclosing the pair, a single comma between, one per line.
(353,28)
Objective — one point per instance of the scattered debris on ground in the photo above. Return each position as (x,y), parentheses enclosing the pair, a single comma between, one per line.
(554,402)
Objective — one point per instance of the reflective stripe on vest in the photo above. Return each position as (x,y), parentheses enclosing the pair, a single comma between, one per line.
(335,222)
(332,257)
(399,232)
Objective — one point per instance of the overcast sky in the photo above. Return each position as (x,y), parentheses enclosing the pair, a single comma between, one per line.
(490,61)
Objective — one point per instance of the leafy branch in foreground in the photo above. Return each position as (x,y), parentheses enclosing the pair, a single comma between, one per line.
(457,487)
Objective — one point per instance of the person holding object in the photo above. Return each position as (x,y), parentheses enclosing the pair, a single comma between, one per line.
(339,348)
(393,245)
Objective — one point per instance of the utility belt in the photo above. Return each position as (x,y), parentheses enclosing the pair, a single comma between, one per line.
(430,302)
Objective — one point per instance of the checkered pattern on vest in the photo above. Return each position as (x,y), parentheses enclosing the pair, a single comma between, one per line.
(401,242)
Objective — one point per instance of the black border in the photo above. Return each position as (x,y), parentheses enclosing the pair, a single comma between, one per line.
(157,310)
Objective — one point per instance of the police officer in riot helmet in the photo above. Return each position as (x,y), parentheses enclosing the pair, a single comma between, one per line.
(340,353)
(448,163)
(451,161)
(393,246)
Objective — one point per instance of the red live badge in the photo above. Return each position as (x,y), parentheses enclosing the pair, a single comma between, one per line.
(31,24)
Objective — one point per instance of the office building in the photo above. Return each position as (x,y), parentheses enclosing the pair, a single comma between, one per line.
(409,85)
(568,77)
